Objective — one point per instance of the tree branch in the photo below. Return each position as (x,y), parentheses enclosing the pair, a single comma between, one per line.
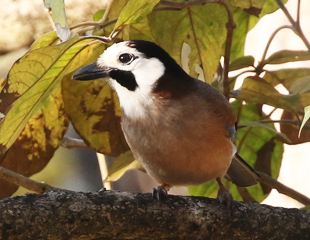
(63,214)
(281,188)
(23,181)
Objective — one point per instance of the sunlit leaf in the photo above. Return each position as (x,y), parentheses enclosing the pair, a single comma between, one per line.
(245,22)
(37,143)
(35,76)
(45,40)
(133,11)
(242,62)
(255,89)
(202,27)
(98,15)
(57,7)
(306,118)
(121,165)
(94,111)
(285,56)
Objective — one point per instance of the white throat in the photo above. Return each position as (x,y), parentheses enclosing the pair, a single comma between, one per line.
(136,103)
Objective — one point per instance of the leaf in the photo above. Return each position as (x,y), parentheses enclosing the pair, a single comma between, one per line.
(245,22)
(202,27)
(37,143)
(301,85)
(45,40)
(242,62)
(98,15)
(121,165)
(35,76)
(256,89)
(306,118)
(285,56)
(268,127)
(94,111)
(133,11)
(292,131)
(57,7)
(247,3)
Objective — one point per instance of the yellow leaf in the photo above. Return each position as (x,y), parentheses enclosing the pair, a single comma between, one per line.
(122,164)
(35,76)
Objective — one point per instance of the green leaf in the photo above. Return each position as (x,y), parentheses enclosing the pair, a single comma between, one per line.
(202,27)
(133,11)
(286,77)
(256,89)
(285,56)
(245,22)
(121,165)
(57,7)
(247,3)
(306,118)
(301,85)
(45,40)
(98,15)
(35,76)
(242,62)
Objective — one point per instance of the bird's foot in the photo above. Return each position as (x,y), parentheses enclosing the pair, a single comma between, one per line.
(224,196)
(161,192)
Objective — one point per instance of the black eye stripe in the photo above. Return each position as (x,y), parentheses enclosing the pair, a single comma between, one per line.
(124,78)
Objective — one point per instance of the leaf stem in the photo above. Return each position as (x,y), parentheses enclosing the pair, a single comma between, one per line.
(23,181)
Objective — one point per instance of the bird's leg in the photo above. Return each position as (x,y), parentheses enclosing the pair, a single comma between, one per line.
(161,192)
(224,196)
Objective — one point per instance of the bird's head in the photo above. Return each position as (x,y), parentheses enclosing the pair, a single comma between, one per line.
(136,70)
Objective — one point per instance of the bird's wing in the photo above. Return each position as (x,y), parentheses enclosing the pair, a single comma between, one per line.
(241,173)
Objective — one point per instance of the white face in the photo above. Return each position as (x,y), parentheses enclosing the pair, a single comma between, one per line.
(146,71)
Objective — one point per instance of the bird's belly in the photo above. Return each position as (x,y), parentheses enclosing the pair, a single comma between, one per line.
(184,164)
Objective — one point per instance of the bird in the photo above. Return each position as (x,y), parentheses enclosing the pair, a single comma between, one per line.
(179,128)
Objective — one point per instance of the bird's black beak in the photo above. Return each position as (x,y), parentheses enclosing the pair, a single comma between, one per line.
(91,72)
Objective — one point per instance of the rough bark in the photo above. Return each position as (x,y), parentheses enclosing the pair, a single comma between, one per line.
(63,214)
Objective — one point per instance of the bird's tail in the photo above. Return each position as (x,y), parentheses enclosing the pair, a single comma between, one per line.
(241,173)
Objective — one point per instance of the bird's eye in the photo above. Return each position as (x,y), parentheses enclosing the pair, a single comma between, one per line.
(125,58)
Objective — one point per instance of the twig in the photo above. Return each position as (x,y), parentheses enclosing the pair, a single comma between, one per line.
(295,24)
(262,63)
(103,166)
(23,181)
(107,12)
(68,142)
(281,188)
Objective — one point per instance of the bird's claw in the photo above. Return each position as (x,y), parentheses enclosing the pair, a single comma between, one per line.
(159,193)
(226,199)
